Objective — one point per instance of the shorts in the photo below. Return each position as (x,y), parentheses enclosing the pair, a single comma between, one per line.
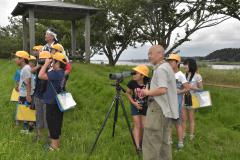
(136,112)
(54,120)
(40,107)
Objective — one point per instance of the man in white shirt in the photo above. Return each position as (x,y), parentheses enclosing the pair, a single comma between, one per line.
(162,108)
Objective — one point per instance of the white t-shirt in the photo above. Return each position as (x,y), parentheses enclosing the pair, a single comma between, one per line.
(24,75)
(197,78)
(180,79)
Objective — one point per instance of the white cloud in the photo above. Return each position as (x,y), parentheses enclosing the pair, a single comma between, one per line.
(6,8)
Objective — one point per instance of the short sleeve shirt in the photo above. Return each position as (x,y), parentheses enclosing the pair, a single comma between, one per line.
(197,78)
(17,75)
(164,77)
(56,79)
(24,75)
(180,79)
(137,94)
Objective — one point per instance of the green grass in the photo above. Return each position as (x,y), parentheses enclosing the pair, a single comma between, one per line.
(217,131)
(225,77)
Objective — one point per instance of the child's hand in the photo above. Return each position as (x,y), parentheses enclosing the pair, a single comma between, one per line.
(48,62)
(29,99)
(137,106)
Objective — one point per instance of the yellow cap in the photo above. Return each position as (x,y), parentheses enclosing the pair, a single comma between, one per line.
(58,47)
(143,69)
(60,57)
(45,55)
(174,56)
(22,54)
(38,48)
(32,58)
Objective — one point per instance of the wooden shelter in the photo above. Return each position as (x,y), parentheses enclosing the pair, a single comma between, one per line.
(54,10)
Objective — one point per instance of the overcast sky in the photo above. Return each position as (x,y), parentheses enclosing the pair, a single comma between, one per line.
(205,41)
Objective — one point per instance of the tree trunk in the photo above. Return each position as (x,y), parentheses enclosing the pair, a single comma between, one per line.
(111,62)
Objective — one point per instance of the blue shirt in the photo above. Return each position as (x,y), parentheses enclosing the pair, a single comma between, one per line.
(17,75)
(56,78)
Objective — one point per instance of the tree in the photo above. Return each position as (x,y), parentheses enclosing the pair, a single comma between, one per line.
(10,38)
(163,18)
(114,28)
(227,7)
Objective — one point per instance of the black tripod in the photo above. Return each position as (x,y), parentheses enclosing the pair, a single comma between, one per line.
(117,99)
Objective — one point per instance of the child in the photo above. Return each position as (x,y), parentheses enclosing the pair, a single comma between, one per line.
(55,84)
(59,48)
(17,79)
(195,80)
(25,88)
(36,50)
(182,86)
(138,102)
(40,88)
(32,64)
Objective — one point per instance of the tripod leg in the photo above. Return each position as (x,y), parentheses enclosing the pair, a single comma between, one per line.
(128,124)
(115,116)
(102,127)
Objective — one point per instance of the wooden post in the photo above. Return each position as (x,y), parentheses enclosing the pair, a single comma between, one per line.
(31,29)
(73,37)
(87,38)
(25,33)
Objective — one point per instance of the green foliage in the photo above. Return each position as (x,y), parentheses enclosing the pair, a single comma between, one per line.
(217,128)
(11,35)
(10,38)
(227,54)
(121,23)
(114,28)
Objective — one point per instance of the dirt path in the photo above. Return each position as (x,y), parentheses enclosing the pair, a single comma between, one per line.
(222,85)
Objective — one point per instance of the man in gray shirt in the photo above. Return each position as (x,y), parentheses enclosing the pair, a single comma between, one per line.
(162,108)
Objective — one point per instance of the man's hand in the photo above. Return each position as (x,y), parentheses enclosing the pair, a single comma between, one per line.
(29,99)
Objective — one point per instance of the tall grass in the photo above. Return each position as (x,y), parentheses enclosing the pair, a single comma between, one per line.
(217,133)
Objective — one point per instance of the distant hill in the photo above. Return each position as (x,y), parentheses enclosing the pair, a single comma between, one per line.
(227,54)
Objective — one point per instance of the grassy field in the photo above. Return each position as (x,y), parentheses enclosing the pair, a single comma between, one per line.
(217,132)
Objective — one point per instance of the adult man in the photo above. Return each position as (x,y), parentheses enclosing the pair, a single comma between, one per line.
(162,108)
(51,39)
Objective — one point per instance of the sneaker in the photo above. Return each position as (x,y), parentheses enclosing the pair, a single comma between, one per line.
(139,150)
(180,146)
(24,131)
(191,137)
(49,148)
